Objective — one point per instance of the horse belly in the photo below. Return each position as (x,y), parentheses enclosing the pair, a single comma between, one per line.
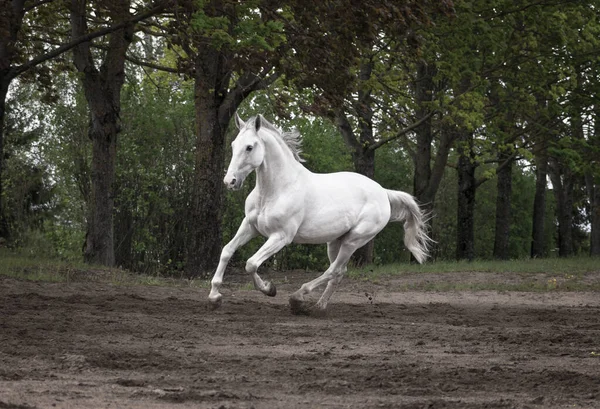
(317,237)
(338,203)
(327,227)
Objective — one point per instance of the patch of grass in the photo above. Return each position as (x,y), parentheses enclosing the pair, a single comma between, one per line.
(513,275)
(26,266)
(548,265)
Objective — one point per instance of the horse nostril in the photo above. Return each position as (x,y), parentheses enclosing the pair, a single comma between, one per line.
(233,181)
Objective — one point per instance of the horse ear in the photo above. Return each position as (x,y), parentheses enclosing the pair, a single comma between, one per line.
(258,122)
(238,121)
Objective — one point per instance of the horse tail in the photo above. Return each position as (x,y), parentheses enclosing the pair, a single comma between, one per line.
(405,208)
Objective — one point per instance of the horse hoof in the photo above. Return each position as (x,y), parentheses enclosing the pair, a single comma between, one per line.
(298,307)
(215,303)
(271,290)
(318,312)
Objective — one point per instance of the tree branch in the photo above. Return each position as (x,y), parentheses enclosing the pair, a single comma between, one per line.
(245,85)
(146,64)
(342,123)
(402,132)
(88,37)
(36,4)
(501,166)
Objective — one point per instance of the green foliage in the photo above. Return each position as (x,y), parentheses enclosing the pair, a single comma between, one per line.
(246,30)
(393,170)
(154,170)
(28,192)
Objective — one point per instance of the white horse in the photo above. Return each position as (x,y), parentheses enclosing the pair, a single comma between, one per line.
(291,204)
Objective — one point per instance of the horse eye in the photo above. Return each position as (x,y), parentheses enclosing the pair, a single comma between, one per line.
(249,148)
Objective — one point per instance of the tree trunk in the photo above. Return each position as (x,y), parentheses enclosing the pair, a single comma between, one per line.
(11,18)
(592,182)
(423,89)
(99,248)
(205,232)
(562,183)
(503,206)
(539,204)
(4,233)
(124,236)
(102,89)
(465,248)
(594,193)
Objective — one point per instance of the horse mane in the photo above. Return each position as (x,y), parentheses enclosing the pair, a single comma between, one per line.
(292,139)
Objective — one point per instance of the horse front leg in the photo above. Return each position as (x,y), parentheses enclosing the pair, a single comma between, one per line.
(244,234)
(274,243)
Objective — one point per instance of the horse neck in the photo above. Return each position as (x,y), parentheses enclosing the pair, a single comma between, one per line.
(279,167)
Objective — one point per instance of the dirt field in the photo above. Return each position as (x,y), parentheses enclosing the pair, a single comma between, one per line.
(96,345)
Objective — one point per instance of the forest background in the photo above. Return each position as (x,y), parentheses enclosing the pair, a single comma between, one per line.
(115,120)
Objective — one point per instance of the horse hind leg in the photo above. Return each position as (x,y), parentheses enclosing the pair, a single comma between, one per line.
(332,276)
(360,235)
(321,305)
(333,248)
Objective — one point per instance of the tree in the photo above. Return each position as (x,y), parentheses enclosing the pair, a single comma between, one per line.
(230,47)
(372,42)
(19,54)
(540,160)
(102,83)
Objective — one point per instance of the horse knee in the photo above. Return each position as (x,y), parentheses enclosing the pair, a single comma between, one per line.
(251,266)
(227,253)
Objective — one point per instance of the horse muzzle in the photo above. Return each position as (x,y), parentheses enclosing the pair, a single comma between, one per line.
(233,182)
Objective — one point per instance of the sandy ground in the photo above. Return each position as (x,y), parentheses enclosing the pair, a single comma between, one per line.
(96,345)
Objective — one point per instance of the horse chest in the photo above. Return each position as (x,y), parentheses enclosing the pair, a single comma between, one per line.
(267,220)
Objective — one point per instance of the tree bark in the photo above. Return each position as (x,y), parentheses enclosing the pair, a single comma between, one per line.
(503,206)
(4,231)
(467,188)
(539,203)
(123,233)
(593,190)
(423,88)
(562,182)
(11,18)
(592,181)
(205,232)
(102,89)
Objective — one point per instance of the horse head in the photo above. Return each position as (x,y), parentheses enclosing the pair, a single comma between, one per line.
(248,152)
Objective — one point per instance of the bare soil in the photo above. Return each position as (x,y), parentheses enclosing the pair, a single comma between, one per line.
(97,345)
